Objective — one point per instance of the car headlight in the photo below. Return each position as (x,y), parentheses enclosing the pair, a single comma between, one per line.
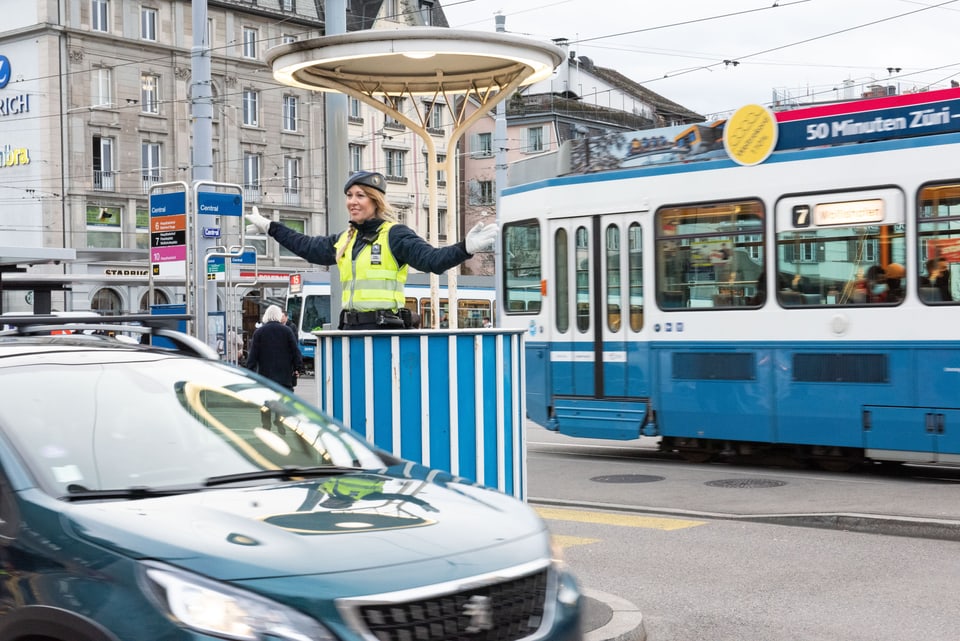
(211,607)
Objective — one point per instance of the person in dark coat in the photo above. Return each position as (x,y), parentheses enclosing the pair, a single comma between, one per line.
(373,255)
(273,350)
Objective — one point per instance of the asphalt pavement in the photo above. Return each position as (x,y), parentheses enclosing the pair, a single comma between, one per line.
(914,501)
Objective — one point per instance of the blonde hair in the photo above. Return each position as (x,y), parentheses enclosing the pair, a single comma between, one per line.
(381,209)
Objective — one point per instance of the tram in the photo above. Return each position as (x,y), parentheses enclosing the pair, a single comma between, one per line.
(308,304)
(800,298)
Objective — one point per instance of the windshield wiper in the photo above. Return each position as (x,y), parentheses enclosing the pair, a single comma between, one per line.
(285,473)
(80,493)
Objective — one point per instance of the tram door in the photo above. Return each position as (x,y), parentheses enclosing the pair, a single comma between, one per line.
(598,306)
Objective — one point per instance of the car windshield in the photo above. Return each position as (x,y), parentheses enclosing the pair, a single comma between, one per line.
(99,422)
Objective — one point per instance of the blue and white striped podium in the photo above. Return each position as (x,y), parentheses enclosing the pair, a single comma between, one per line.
(449,399)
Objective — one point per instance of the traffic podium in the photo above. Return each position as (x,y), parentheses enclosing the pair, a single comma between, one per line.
(449,399)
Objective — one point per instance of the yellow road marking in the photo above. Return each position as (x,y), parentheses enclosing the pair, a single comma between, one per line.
(606,518)
(569,541)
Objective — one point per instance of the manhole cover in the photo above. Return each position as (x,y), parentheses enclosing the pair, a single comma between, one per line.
(627,478)
(746,483)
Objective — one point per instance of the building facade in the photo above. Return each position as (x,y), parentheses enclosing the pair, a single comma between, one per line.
(98,109)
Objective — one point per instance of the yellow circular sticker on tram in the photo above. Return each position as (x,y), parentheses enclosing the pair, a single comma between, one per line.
(750,134)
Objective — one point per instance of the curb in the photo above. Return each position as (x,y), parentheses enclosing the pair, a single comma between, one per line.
(626,624)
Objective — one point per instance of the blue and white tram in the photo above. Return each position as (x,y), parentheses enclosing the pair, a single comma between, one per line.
(806,301)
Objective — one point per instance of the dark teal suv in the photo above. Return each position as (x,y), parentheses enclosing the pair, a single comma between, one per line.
(146,494)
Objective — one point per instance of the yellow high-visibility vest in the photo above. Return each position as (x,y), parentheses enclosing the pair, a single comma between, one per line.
(374,280)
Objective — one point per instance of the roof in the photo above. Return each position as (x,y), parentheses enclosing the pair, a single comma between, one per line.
(660,104)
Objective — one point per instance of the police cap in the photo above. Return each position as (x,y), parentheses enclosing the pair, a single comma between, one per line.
(368,178)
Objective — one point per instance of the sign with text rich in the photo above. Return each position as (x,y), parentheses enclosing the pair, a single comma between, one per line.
(168,230)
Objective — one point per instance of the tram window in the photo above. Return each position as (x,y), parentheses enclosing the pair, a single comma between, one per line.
(841,265)
(614,285)
(561,279)
(473,313)
(521,266)
(938,231)
(635,266)
(582,267)
(710,255)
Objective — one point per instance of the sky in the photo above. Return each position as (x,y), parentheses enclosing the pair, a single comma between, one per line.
(713,57)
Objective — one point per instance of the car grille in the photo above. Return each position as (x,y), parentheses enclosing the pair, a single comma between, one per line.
(504,611)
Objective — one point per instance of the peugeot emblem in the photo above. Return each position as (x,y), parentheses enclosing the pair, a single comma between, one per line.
(480,613)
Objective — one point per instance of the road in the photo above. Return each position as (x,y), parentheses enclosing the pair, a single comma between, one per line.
(717,552)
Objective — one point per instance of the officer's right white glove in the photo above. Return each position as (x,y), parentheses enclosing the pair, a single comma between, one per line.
(258,224)
(481,238)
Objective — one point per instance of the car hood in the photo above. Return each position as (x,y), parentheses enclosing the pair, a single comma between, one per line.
(336,524)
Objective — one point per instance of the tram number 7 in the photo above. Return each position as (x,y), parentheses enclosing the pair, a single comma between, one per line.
(801,216)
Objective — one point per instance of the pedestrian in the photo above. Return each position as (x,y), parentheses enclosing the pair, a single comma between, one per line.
(374,254)
(273,350)
(289,323)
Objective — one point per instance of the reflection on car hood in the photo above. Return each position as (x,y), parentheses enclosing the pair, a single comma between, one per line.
(327,525)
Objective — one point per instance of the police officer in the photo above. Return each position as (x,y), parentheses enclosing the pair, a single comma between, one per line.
(374,253)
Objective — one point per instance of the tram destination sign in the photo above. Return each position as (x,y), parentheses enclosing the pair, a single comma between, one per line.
(918,114)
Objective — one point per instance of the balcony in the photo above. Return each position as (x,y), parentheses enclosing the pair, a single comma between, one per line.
(149,181)
(104,180)
(252,193)
(291,197)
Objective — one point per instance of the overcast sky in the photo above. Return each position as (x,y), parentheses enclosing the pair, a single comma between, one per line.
(805,48)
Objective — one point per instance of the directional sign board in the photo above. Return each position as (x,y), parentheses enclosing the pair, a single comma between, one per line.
(168,230)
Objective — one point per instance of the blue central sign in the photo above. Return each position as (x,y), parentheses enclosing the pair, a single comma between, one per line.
(215,203)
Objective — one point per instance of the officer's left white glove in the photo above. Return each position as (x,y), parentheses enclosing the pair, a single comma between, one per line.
(481,238)
(258,224)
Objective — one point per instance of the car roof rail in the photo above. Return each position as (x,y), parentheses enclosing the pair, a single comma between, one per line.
(164,326)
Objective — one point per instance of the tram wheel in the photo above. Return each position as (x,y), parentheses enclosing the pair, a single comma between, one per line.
(836,464)
(697,456)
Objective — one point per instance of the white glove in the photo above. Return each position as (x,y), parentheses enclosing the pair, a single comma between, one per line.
(481,238)
(258,224)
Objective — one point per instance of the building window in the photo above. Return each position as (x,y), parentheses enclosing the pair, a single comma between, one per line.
(483,145)
(107,302)
(390,121)
(441,173)
(486,192)
(103,174)
(251,107)
(211,28)
(148,23)
(150,164)
(354,114)
(251,177)
(290,113)
(434,117)
(143,228)
(102,87)
(103,226)
(149,93)
(356,158)
(395,158)
(286,5)
(426,12)
(441,226)
(100,15)
(534,140)
(249,42)
(291,180)
(287,38)
(296,224)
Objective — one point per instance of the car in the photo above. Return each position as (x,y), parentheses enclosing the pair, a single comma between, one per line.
(159,493)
